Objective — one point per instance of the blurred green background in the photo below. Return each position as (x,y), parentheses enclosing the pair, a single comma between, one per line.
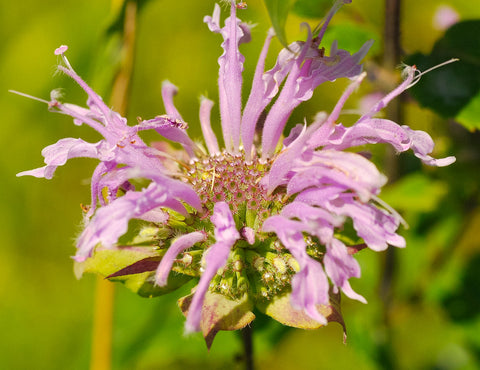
(433,318)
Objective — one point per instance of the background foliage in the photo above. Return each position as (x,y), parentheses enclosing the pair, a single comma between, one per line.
(432,319)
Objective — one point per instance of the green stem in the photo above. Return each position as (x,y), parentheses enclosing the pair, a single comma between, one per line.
(102,325)
(101,358)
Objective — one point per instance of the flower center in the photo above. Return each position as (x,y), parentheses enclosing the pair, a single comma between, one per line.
(229,178)
(262,267)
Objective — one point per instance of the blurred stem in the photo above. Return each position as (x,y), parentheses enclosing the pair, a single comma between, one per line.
(247,338)
(102,325)
(391,58)
(104,296)
(121,85)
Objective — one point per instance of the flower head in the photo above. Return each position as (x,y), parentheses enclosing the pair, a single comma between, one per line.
(260,222)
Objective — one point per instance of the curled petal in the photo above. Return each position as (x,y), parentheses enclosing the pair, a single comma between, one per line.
(310,288)
(309,285)
(376,226)
(226,235)
(171,129)
(178,246)
(169,90)
(370,131)
(111,221)
(377,130)
(210,137)
(341,266)
(349,170)
(57,155)
(422,144)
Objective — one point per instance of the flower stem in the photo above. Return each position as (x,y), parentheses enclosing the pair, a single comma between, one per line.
(394,112)
(102,325)
(392,55)
(104,296)
(247,338)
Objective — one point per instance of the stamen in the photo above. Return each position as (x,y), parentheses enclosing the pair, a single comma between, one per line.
(420,74)
(29,96)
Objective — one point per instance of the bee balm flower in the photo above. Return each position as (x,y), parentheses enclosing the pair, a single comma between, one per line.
(258,223)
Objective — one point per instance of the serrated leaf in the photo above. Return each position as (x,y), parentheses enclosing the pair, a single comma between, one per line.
(450,89)
(278,11)
(220,313)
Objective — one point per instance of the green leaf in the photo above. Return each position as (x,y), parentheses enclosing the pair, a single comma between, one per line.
(144,284)
(123,264)
(415,192)
(108,261)
(351,36)
(278,11)
(281,310)
(451,88)
(469,116)
(312,8)
(220,313)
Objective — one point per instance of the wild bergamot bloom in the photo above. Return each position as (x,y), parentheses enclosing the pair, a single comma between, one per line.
(261,223)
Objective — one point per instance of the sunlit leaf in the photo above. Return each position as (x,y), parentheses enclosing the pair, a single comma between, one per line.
(108,261)
(132,266)
(351,36)
(469,116)
(281,310)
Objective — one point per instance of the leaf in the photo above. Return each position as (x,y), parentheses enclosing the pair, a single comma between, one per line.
(469,116)
(144,265)
(144,285)
(133,266)
(220,313)
(108,261)
(281,310)
(278,11)
(450,89)
(415,192)
(311,8)
(351,36)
